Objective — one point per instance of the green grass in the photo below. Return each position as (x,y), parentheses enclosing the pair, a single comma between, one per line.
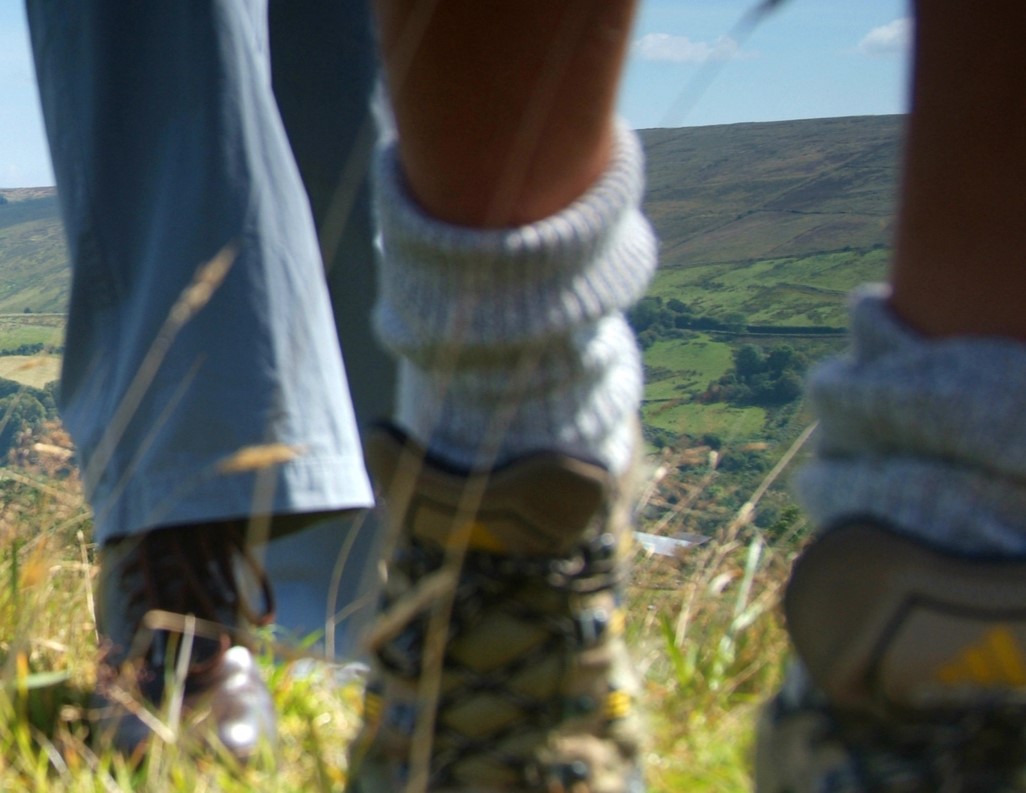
(713,649)
(14,335)
(809,290)
(773,222)
(678,370)
(685,367)
(688,418)
(704,631)
(47,628)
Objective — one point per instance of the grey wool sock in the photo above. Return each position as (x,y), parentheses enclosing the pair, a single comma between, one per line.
(514,340)
(928,435)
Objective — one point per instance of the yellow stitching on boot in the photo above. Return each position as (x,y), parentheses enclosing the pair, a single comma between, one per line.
(372,707)
(480,538)
(996,660)
(625,545)
(618,705)
(617,623)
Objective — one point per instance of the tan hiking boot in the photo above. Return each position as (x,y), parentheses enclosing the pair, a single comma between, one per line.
(912,674)
(499,659)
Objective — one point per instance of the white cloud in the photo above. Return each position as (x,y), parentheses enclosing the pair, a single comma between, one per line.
(681,49)
(894,38)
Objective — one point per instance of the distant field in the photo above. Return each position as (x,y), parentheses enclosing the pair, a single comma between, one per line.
(684,367)
(678,370)
(32,370)
(30,329)
(798,292)
(810,290)
(19,329)
(732,424)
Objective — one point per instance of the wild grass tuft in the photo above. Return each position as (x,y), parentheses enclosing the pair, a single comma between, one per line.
(712,651)
(711,642)
(704,628)
(48,648)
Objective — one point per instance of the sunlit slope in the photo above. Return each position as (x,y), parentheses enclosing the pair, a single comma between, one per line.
(34,274)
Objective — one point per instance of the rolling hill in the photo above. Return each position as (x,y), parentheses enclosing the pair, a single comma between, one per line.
(34,272)
(719,197)
(763,229)
(741,192)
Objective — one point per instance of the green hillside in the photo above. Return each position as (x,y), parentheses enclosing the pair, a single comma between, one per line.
(763,228)
(745,192)
(33,256)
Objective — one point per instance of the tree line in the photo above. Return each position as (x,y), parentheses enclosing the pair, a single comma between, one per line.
(23,408)
(766,378)
(653,318)
(33,349)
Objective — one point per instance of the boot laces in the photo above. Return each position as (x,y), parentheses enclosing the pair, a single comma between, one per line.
(199,571)
(489,583)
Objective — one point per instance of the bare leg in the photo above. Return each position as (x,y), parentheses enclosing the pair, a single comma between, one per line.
(504,108)
(505,115)
(961,238)
(512,243)
(917,486)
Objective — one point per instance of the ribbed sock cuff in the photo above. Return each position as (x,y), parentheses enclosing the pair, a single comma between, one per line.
(925,434)
(514,340)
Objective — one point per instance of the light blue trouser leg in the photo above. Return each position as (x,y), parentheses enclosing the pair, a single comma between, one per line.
(169,149)
(324,71)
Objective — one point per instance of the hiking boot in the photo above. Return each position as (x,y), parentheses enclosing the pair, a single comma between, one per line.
(179,590)
(499,661)
(912,673)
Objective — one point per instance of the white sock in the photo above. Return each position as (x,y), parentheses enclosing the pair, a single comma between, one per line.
(928,435)
(514,340)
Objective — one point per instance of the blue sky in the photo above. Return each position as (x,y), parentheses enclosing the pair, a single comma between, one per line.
(810,59)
